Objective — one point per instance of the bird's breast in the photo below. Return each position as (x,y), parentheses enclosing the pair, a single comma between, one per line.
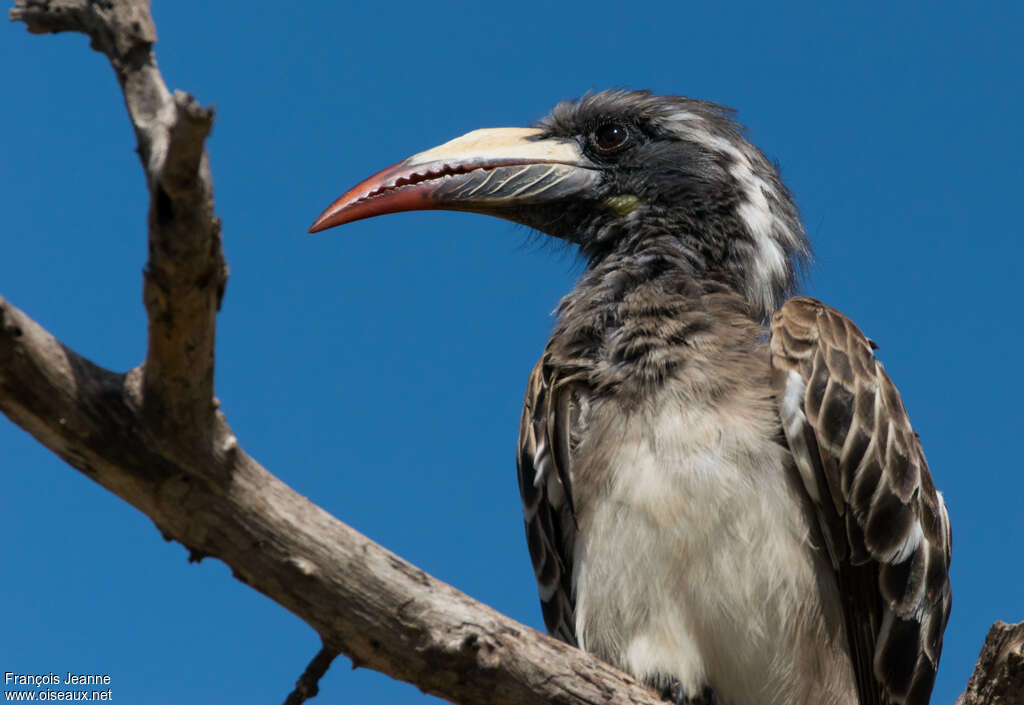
(694,558)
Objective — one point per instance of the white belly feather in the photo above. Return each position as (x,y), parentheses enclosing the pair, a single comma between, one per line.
(694,560)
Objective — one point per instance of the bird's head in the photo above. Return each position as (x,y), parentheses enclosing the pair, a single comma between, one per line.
(615,172)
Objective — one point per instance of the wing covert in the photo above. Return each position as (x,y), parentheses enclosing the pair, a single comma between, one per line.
(885,526)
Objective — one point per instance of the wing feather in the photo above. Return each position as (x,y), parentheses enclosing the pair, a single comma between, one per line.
(545,487)
(885,526)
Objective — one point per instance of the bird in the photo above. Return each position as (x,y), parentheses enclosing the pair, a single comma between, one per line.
(722,491)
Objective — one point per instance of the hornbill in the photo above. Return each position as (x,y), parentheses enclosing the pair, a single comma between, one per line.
(722,492)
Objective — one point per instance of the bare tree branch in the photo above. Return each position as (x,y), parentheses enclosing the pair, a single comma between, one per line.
(308,685)
(186,273)
(998,678)
(154,437)
(363,600)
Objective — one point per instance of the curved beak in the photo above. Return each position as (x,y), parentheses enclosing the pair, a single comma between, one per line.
(485,171)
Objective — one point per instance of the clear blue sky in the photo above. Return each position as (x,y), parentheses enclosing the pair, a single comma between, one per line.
(379,369)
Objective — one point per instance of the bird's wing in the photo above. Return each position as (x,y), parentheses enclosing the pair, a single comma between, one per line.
(885,526)
(544,483)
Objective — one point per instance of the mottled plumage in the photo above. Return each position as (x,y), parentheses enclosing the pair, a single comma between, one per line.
(885,526)
(730,511)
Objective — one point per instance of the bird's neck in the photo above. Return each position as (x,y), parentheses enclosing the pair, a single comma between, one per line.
(672,264)
(764,275)
(632,318)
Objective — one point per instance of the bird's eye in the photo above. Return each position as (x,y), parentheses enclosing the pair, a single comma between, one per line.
(610,135)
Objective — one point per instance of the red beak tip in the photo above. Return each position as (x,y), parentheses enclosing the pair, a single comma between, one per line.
(323,222)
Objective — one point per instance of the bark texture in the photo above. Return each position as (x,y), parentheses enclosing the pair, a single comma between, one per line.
(154,437)
(998,679)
